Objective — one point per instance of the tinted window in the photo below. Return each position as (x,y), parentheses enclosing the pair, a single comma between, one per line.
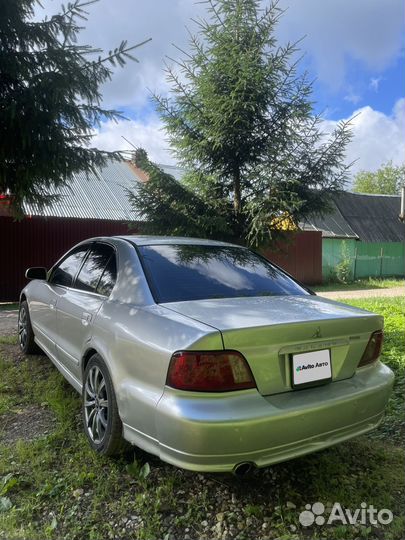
(93,267)
(67,269)
(187,272)
(108,278)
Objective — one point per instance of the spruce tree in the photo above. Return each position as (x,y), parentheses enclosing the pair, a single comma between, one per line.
(50,99)
(240,120)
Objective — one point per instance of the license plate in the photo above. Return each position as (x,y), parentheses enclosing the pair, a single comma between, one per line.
(311,367)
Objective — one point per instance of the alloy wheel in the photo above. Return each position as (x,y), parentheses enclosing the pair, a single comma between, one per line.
(22,327)
(96,405)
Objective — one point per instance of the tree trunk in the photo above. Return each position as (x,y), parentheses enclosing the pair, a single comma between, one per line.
(237,199)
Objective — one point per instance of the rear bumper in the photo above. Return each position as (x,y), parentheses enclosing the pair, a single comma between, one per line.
(212,432)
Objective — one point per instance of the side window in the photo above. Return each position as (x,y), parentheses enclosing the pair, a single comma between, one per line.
(66,271)
(108,278)
(93,267)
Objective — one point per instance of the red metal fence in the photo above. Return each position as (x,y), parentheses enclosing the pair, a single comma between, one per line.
(301,256)
(39,241)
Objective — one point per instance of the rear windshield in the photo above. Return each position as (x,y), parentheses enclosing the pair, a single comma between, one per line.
(195,272)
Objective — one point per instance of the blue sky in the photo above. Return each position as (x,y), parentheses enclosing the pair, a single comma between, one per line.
(354,49)
(379,89)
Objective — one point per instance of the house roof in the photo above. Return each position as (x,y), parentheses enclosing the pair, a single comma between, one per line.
(99,195)
(370,218)
(374,218)
(332,225)
(102,195)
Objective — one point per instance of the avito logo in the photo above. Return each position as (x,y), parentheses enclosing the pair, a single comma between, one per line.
(366,515)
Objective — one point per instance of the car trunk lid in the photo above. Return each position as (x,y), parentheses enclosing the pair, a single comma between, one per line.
(268,331)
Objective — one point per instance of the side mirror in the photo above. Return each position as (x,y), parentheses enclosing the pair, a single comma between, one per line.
(36,272)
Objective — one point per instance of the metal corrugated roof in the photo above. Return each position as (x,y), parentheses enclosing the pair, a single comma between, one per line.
(102,195)
(374,218)
(332,225)
(99,195)
(370,218)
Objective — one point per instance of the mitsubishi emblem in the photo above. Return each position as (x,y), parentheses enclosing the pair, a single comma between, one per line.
(317,333)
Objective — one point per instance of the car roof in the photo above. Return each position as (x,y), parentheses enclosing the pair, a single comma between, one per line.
(146,240)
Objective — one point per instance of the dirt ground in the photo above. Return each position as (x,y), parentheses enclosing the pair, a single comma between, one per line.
(24,422)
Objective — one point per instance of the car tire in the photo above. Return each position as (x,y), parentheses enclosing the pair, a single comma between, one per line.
(26,337)
(101,421)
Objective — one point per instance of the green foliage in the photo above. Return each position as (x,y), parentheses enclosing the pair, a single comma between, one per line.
(5,504)
(7,483)
(176,208)
(344,267)
(50,99)
(387,180)
(240,121)
(393,354)
(135,469)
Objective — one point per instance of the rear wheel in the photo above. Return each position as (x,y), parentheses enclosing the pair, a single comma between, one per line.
(101,420)
(26,338)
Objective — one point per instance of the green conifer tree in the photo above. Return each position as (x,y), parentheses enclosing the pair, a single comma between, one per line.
(50,99)
(240,120)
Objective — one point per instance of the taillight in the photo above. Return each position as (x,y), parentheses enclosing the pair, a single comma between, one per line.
(209,371)
(373,349)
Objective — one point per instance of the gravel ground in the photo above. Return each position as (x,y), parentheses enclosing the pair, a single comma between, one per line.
(8,322)
(27,423)
(365,293)
(23,422)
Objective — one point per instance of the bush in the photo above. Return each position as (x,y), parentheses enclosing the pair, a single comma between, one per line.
(344,268)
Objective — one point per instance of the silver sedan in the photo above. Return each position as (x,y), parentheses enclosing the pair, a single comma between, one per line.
(203,353)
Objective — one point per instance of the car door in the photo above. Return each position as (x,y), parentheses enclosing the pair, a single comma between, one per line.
(77,308)
(45,295)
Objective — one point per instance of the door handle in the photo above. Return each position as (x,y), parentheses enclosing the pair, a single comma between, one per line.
(86,318)
(52,304)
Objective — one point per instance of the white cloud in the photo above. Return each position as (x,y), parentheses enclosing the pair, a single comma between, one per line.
(375,83)
(352,97)
(370,31)
(377,137)
(111,21)
(148,135)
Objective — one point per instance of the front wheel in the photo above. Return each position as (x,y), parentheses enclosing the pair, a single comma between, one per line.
(101,420)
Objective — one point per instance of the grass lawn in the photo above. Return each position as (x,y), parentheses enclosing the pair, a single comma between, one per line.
(361,284)
(6,306)
(55,487)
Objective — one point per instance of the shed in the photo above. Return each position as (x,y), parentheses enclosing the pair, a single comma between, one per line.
(366,230)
